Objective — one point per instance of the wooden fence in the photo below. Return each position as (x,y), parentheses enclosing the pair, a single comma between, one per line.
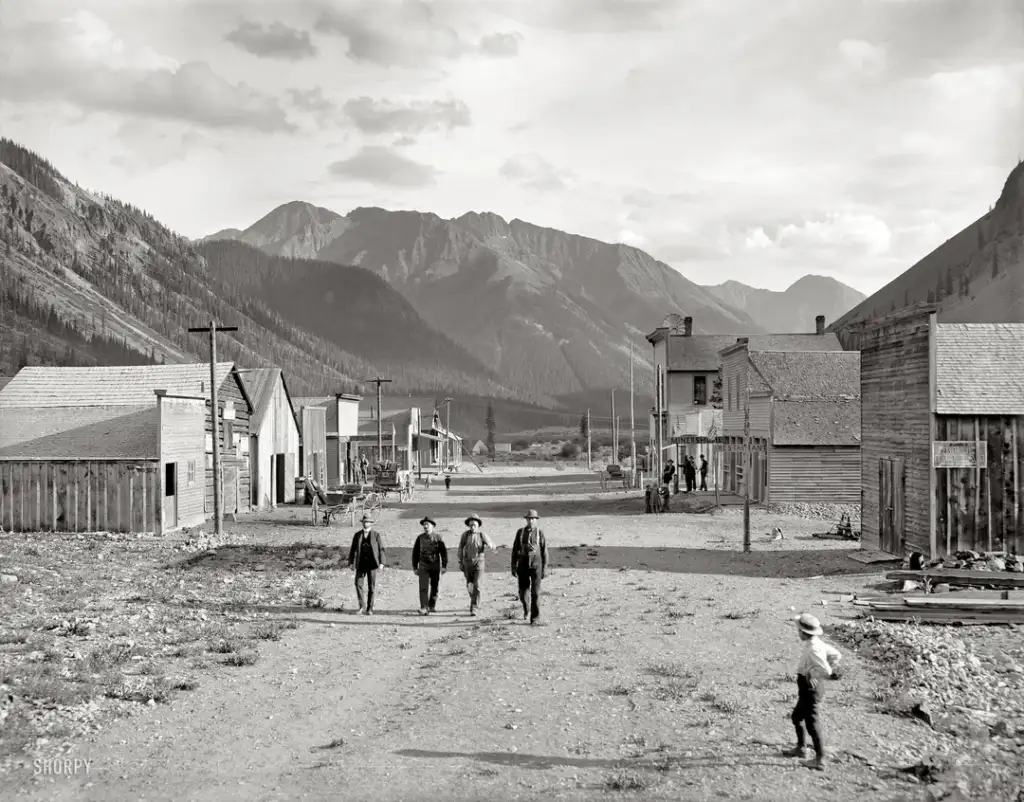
(981,509)
(80,496)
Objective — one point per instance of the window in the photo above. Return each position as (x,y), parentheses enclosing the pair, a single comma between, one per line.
(700,390)
(229,436)
(170,479)
(190,473)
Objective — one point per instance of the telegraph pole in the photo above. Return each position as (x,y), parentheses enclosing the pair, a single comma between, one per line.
(615,434)
(748,464)
(380,430)
(218,515)
(590,464)
(658,428)
(632,420)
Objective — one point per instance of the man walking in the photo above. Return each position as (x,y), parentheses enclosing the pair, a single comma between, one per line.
(529,564)
(429,561)
(366,555)
(472,549)
(703,473)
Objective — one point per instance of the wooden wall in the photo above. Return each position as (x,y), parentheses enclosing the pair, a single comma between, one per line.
(182,442)
(735,371)
(314,442)
(734,461)
(981,509)
(234,457)
(80,496)
(276,434)
(814,475)
(895,380)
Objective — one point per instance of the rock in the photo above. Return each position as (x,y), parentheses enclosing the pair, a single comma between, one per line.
(8,579)
(942,587)
(997,564)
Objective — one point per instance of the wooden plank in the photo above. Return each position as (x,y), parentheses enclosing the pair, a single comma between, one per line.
(1014,488)
(976,476)
(22,501)
(966,604)
(870,556)
(963,617)
(4,504)
(988,487)
(899,504)
(37,492)
(89,516)
(131,499)
(963,577)
(63,519)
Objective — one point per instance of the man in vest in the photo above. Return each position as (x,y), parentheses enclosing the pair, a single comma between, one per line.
(366,555)
(429,561)
(529,564)
(472,549)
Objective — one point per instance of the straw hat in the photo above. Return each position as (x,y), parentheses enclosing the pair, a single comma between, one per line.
(426,519)
(366,518)
(474,517)
(531,514)
(808,624)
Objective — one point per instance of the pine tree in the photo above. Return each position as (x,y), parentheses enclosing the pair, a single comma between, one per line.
(489,422)
(584,427)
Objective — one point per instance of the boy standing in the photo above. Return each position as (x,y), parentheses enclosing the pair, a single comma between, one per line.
(471,559)
(429,561)
(817,663)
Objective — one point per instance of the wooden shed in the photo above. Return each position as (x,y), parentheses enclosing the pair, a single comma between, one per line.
(942,417)
(313,449)
(274,434)
(342,420)
(114,468)
(117,388)
(804,423)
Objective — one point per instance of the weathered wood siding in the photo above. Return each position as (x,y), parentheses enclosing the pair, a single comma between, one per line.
(80,496)
(335,464)
(734,462)
(314,443)
(981,509)
(735,371)
(814,475)
(680,390)
(896,420)
(276,434)
(182,441)
(237,493)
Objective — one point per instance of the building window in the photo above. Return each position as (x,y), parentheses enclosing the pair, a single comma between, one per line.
(229,436)
(190,472)
(700,390)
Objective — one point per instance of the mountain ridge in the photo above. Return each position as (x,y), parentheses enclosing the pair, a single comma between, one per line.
(796,307)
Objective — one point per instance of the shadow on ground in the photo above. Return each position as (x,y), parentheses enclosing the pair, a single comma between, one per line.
(721,562)
(542,762)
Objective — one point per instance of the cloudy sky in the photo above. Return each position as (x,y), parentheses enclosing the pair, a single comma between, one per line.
(757,140)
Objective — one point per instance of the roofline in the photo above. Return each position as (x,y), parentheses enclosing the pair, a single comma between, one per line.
(657,335)
(241,385)
(348,397)
(80,459)
(291,406)
(741,342)
(165,394)
(909,313)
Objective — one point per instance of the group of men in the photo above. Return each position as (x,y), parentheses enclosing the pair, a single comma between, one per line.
(367,555)
(689,471)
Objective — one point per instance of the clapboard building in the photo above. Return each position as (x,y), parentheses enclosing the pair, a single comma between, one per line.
(274,438)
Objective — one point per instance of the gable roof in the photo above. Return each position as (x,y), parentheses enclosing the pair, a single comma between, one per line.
(809,375)
(979,369)
(261,384)
(91,432)
(4,381)
(130,385)
(816,423)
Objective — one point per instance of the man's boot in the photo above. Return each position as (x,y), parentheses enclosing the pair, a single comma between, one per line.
(797,752)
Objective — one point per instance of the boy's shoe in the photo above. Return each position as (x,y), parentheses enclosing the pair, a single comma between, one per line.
(797,752)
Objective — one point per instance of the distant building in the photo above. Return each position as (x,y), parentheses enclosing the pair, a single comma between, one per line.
(481,448)
(274,435)
(342,421)
(502,448)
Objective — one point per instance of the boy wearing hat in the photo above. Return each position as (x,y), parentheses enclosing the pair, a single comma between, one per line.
(529,564)
(472,549)
(817,663)
(429,561)
(366,555)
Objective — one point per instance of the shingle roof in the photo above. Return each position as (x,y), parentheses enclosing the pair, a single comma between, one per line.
(807,375)
(703,351)
(108,386)
(93,432)
(816,423)
(979,368)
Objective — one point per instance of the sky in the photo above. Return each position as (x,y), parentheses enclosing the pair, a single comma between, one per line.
(755,140)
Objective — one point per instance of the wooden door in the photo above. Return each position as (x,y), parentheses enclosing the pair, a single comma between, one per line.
(891,511)
(230,497)
(279,478)
(170,495)
(254,470)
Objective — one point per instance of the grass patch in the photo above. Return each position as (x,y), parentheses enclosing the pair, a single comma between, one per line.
(267,630)
(11,638)
(620,690)
(722,702)
(245,657)
(739,615)
(670,670)
(626,780)
(675,690)
(677,614)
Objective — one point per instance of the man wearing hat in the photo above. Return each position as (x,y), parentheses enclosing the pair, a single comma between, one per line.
(367,555)
(472,549)
(817,663)
(429,561)
(529,564)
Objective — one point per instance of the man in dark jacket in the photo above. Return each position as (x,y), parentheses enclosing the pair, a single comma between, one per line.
(429,561)
(529,564)
(472,549)
(703,473)
(366,555)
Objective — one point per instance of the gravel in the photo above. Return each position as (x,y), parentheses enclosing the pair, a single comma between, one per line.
(819,512)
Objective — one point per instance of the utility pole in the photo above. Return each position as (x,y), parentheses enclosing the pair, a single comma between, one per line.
(590,464)
(748,462)
(380,430)
(615,434)
(658,389)
(448,445)
(218,515)
(632,420)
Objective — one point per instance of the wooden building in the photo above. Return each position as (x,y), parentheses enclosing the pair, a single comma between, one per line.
(804,415)
(274,437)
(102,393)
(942,413)
(116,468)
(313,445)
(342,420)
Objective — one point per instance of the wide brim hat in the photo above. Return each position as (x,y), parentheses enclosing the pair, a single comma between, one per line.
(531,514)
(474,517)
(366,517)
(426,519)
(808,624)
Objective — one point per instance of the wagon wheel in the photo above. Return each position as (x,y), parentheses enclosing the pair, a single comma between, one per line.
(316,509)
(372,506)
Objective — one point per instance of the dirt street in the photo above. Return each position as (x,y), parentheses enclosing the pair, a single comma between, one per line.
(664,670)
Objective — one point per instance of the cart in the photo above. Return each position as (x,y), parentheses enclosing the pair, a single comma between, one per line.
(356,506)
(840,531)
(388,481)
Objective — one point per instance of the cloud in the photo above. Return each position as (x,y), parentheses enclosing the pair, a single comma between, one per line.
(408,33)
(78,60)
(596,16)
(411,117)
(533,171)
(380,165)
(862,57)
(275,40)
(148,145)
(853,234)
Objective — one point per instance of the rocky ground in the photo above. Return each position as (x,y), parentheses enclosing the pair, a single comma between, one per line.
(181,671)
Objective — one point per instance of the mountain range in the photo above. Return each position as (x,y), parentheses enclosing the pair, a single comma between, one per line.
(795,308)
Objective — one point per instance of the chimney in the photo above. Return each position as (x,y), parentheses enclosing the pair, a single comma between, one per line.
(687,326)
(819,325)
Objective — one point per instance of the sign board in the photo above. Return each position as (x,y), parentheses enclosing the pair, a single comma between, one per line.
(959,454)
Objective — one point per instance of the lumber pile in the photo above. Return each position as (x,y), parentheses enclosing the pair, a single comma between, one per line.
(967,608)
(961,577)
(970,561)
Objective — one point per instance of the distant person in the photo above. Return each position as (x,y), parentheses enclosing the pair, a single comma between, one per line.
(447,482)
(472,550)
(690,471)
(703,472)
(366,555)
(817,663)
(429,561)
(426,481)
(529,564)
(668,473)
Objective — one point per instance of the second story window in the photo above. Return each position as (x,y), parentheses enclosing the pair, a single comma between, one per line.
(700,390)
